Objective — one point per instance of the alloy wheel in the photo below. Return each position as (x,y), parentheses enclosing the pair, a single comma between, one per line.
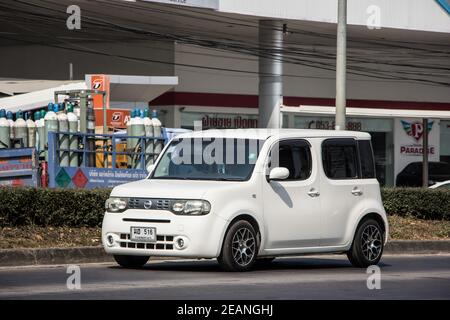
(243,246)
(371,242)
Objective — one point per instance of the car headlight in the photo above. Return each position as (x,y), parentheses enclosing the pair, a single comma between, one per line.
(116,204)
(190,207)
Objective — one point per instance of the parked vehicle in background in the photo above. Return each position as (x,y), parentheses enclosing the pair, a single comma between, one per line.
(411,175)
(441,185)
(244,195)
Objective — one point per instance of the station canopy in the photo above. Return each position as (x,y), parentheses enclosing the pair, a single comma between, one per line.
(305,110)
(122,88)
(36,99)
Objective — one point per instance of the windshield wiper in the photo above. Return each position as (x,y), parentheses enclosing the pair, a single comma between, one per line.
(227,179)
(199,178)
(180,178)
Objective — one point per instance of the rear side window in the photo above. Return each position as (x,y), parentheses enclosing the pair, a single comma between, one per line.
(340,158)
(413,168)
(366,156)
(295,155)
(439,168)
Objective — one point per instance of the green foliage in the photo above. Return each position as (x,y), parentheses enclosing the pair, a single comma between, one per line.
(85,208)
(421,203)
(51,207)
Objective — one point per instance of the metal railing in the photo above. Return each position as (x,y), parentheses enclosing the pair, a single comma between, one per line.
(87,147)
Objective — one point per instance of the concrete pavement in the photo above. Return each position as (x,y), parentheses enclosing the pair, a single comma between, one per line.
(309,277)
(38,256)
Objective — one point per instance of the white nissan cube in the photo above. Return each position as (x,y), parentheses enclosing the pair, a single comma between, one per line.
(244,196)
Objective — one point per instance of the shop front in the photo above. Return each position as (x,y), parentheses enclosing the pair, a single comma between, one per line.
(218,120)
(445,141)
(397,135)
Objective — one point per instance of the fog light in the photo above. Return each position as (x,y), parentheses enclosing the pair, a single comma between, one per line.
(110,240)
(181,243)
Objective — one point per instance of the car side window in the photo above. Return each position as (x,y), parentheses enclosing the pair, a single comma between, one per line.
(340,158)
(439,168)
(295,155)
(366,156)
(412,168)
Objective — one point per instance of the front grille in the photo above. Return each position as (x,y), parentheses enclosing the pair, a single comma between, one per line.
(149,203)
(162,243)
(133,203)
(162,204)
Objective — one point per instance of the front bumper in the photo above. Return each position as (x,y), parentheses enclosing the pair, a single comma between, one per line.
(201,235)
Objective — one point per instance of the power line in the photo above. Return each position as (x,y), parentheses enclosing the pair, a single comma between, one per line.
(290,54)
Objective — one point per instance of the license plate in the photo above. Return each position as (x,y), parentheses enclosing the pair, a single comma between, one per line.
(143,234)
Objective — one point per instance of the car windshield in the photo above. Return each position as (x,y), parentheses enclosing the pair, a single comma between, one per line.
(225,159)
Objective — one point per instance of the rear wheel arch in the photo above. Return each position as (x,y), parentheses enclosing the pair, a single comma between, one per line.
(371,215)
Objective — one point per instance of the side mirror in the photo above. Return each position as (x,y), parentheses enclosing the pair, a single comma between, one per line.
(279,173)
(150,168)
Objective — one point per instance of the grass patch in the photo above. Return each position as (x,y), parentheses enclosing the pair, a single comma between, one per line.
(401,228)
(48,237)
(408,228)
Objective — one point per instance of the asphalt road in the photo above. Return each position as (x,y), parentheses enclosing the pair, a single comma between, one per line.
(318,277)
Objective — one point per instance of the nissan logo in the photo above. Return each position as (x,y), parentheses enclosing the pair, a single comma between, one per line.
(148,204)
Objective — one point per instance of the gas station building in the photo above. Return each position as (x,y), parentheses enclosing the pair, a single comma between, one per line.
(244,64)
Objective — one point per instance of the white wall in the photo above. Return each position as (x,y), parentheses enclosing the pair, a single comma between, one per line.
(406,145)
(311,83)
(424,15)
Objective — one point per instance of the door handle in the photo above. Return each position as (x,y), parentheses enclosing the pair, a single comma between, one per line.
(313,193)
(356,191)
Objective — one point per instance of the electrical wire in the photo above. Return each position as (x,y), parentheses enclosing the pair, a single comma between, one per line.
(318,58)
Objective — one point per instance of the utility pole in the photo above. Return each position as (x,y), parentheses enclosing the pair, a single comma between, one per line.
(341,65)
(425,153)
(270,90)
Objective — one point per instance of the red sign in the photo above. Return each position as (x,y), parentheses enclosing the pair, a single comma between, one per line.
(415,129)
(116,118)
(79,179)
(100,82)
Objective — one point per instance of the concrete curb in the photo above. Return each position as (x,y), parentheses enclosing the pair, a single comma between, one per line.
(42,256)
(417,247)
(22,257)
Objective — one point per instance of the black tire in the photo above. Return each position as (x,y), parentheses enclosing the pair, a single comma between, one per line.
(265,260)
(237,253)
(131,262)
(368,244)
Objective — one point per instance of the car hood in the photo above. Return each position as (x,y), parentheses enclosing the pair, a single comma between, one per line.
(179,189)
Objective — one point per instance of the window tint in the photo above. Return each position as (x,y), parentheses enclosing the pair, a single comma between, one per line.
(439,168)
(209,159)
(413,168)
(295,155)
(366,156)
(340,159)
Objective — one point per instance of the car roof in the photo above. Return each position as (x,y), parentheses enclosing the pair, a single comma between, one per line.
(263,134)
(439,183)
(429,162)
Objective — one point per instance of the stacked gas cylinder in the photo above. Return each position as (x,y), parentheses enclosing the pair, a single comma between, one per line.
(19,133)
(23,132)
(141,125)
(26,133)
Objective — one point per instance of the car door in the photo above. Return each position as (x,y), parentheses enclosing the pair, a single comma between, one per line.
(340,186)
(292,206)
